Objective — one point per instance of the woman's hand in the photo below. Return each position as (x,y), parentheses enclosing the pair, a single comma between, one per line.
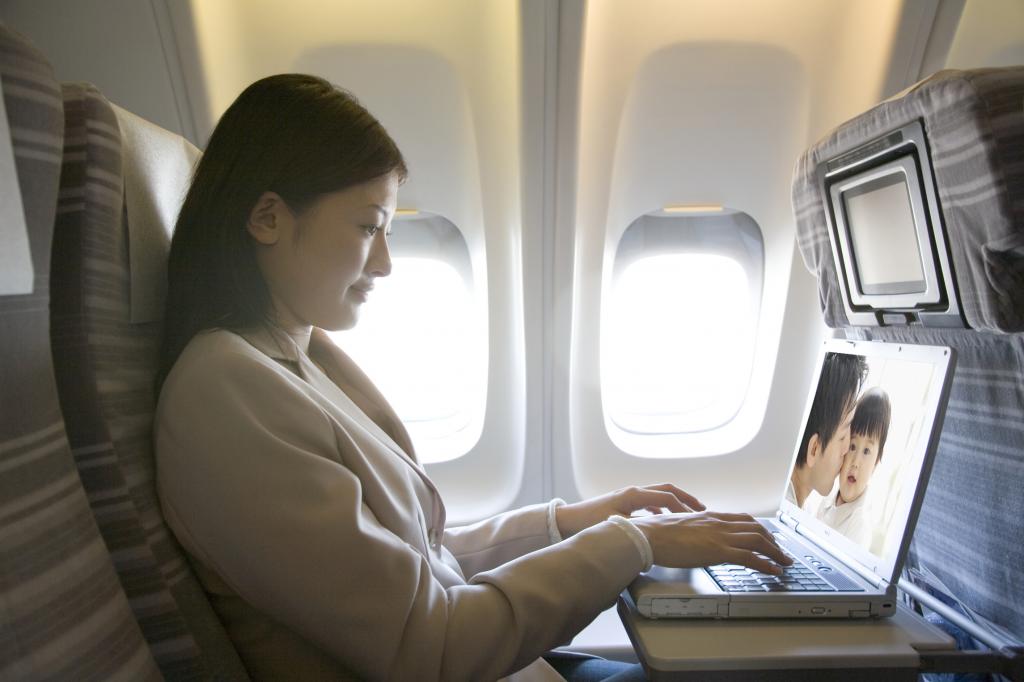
(709,538)
(572,518)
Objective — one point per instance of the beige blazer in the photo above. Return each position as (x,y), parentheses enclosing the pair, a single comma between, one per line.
(320,540)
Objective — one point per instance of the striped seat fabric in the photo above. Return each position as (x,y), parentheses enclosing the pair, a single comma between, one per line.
(63,613)
(105,368)
(972,120)
(970,532)
(969,535)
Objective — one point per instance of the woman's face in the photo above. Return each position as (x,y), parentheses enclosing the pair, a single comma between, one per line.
(320,265)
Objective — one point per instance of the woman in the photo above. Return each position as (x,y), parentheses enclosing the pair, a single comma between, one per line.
(289,479)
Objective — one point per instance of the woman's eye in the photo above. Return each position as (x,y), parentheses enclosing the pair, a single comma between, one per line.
(371,230)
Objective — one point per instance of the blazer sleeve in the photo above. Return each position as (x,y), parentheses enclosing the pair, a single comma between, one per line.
(492,542)
(251,483)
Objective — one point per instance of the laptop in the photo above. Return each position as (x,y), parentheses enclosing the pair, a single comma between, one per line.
(849,543)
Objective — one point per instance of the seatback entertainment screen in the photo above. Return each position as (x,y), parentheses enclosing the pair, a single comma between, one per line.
(880,218)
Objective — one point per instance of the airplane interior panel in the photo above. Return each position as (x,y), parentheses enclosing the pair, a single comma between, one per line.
(625,230)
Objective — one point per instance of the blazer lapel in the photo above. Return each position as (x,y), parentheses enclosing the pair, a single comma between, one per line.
(357,388)
(342,379)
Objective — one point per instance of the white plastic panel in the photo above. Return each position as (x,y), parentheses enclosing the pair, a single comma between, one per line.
(990,33)
(679,328)
(120,46)
(16,270)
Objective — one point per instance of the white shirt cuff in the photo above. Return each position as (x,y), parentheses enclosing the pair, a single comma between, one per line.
(638,538)
(553,535)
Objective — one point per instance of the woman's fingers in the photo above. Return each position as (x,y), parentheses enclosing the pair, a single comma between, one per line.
(662,496)
(686,498)
(760,539)
(743,523)
(640,498)
(732,517)
(753,560)
(753,527)
(757,543)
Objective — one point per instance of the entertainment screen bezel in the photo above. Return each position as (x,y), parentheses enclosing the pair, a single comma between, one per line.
(906,168)
(903,150)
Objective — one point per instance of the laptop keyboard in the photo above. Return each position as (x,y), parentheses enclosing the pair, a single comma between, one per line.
(805,575)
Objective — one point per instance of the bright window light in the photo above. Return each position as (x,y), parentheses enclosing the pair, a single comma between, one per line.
(677,344)
(419,342)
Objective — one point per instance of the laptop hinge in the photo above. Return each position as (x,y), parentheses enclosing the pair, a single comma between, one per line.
(829,548)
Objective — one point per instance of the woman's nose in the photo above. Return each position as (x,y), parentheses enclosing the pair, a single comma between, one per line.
(379,262)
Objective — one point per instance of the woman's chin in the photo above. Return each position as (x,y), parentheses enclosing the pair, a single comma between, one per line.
(340,323)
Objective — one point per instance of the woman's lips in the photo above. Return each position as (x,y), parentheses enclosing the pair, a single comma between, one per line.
(362,293)
(851,479)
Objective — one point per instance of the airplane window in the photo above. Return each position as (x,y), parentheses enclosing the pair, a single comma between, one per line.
(420,341)
(661,372)
(679,325)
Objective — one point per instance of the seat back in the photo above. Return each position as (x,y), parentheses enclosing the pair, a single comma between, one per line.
(106,366)
(63,613)
(969,535)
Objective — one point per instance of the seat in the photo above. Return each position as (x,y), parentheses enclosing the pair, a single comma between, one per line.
(122,183)
(63,613)
(969,540)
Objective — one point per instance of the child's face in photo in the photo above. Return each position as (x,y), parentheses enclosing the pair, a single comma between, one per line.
(858,466)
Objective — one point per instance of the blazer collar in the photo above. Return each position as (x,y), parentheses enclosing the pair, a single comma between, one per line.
(326,360)
(349,380)
(273,342)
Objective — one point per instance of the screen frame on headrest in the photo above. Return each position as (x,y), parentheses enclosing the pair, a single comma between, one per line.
(901,150)
(904,167)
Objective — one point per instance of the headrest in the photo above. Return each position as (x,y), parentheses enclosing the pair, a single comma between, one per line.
(974,125)
(157,167)
(31,143)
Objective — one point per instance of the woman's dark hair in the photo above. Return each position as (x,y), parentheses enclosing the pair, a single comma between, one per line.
(841,377)
(872,417)
(293,134)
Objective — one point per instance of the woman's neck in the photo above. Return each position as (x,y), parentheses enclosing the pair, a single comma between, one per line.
(291,325)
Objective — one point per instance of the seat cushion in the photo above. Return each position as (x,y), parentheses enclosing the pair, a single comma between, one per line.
(63,614)
(105,373)
(969,533)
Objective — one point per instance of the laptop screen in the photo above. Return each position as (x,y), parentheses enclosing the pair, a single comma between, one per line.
(863,460)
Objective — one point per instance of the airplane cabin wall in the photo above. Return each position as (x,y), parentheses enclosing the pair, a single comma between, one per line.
(128,49)
(989,33)
(541,130)
(683,104)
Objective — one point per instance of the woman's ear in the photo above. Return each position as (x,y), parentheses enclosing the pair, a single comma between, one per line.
(264,220)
